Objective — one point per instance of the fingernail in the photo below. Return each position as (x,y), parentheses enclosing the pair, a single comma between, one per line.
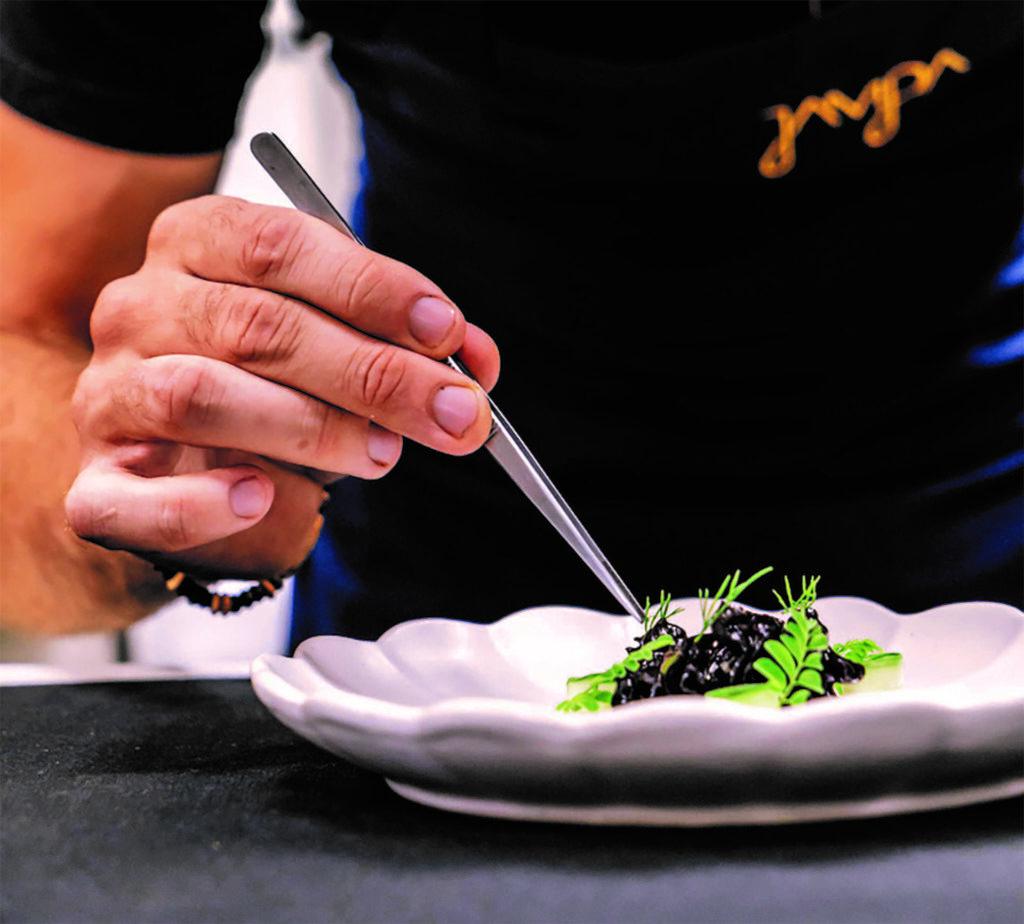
(248,498)
(430,320)
(455,409)
(382,445)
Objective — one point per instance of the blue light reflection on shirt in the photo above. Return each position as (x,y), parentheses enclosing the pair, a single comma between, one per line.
(1013,273)
(1000,353)
(1010,349)
(1013,461)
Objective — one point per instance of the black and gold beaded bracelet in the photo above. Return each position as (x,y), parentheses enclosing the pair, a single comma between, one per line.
(223,604)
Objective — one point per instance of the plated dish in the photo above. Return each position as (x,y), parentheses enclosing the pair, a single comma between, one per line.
(773,660)
(462,717)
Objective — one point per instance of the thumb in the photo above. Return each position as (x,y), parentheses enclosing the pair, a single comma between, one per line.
(122,510)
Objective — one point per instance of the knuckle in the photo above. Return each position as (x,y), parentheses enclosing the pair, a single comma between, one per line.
(165,227)
(80,513)
(172,525)
(319,430)
(360,279)
(375,374)
(201,314)
(116,304)
(271,245)
(181,397)
(89,519)
(254,325)
(222,213)
(173,229)
(172,224)
(88,393)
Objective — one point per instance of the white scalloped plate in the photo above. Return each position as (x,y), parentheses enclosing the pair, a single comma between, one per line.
(461,716)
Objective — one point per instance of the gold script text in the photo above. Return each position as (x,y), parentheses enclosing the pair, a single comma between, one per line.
(884,94)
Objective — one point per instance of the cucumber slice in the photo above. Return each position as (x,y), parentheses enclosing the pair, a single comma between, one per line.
(881,672)
(752,694)
(579,684)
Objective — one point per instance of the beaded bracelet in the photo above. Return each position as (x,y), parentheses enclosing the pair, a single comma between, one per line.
(223,604)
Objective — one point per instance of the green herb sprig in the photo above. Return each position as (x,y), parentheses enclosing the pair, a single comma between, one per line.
(651,619)
(794,668)
(599,688)
(792,665)
(711,607)
(859,650)
(882,669)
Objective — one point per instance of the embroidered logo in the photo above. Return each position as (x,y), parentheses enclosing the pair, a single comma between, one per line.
(884,94)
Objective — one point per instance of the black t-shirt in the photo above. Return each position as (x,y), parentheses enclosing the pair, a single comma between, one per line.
(743,320)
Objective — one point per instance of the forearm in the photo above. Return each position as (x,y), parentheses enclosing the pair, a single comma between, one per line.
(52,581)
(75,217)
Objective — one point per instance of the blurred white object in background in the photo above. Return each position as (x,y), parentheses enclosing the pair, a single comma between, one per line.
(296,93)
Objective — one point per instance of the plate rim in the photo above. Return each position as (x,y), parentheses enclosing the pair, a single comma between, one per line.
(412,738)
(949,696)
(734,815)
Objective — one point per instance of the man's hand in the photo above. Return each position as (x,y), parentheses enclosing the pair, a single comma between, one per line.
(256,356)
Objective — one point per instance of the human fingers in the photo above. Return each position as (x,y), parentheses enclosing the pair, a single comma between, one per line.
(214,521)
(286,251)
(202,402)
(480,354)
(286,341)
(121,510)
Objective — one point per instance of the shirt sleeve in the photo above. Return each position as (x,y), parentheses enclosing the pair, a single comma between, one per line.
(159,77)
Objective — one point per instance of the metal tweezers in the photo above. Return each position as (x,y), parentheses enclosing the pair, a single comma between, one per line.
(503,442)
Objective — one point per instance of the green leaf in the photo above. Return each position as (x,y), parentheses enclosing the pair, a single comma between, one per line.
(591,699)
(798,653)
(857,650)
(811,680)
(818,641)
(793,644)
(771,672)
(798,630)
(782,657)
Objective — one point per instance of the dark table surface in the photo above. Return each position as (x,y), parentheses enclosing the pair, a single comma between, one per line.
(184,800)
